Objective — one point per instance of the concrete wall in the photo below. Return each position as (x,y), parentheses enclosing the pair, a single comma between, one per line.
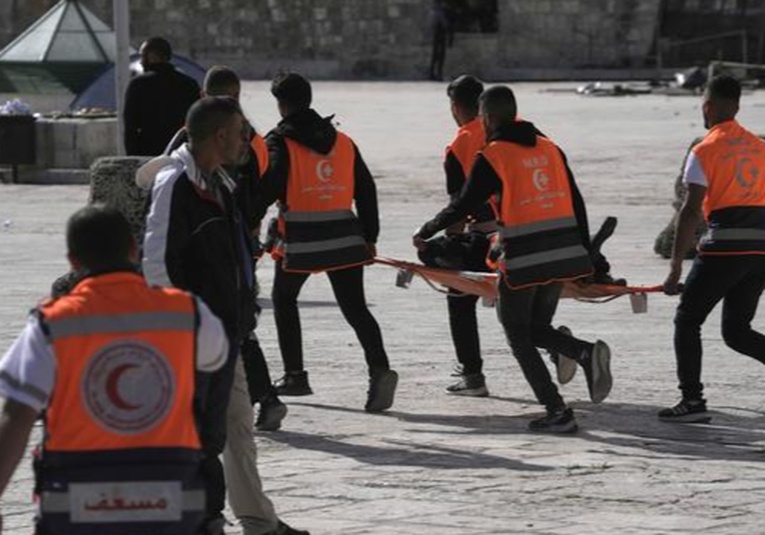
(383,38)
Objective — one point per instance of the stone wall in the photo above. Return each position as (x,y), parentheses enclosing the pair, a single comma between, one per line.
(386,39)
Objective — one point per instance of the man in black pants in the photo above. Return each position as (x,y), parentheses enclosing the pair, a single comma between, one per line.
(317,175)
(724,175)
(466,243)
(544,241)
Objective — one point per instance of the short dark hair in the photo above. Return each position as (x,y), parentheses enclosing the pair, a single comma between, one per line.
(724,87)
(292,90)
(207,115)
(499,103)
(220,78)
(159,46)
(99,236)
(464,91)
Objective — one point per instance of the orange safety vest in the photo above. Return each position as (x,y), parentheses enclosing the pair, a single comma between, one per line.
(541,241)
(733,160)
(121,447)
(470,139)
(258,145)
(319,229)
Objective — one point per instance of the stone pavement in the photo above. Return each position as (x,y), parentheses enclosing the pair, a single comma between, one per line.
(447,465)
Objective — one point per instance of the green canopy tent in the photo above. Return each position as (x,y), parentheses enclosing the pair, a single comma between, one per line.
(65,49)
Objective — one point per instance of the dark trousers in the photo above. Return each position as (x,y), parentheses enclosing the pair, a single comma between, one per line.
(256,369)
(211,402)
(464,329)
(348,287)
(438,54)
(526,315)
(736,280)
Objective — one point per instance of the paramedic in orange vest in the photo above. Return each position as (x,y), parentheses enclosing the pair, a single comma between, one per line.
(725,175)
(473,232)
(544,241)
(110,366)
(317,175)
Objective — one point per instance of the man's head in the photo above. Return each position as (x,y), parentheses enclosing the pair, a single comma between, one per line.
(498,108)
(221,81)
(464,92)
(721,98)
(155,50)
(217,131)
(292,92)
(98,237)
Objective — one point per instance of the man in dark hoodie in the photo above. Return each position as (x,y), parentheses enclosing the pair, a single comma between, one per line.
(156,101)
(544,241)
(317,174)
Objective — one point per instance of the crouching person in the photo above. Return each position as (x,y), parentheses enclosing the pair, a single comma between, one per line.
(110,365)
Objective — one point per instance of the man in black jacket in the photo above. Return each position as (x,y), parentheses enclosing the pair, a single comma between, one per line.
(196,239)
(156,101)
(317,174)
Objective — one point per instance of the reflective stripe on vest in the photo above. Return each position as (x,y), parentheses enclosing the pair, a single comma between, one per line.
(733,160)
(541,241)
(120,323)
(320,230)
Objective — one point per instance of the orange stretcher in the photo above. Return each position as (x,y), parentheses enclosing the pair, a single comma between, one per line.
(484,285)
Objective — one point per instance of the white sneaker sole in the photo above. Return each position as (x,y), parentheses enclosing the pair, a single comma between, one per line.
(601,372)
(565,368)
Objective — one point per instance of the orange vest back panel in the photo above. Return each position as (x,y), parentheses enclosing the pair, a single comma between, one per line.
(125,356)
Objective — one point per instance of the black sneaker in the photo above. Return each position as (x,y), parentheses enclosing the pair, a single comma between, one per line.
(293,384)
(564,366)
(560,421)
(214,525)
(284,529)
(687,411)
(596,364)
(382,387)
(473,385)
(272,412)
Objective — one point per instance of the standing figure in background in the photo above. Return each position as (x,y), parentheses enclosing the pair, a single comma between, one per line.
(442,35)
(156,101)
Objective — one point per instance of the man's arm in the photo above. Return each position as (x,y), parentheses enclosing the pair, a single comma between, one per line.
(455,180)
(166,233)
(482,183)
(580,209)
(16,421)
(365,196)
(685,233)
(273,182)
(132,118)
(212,343)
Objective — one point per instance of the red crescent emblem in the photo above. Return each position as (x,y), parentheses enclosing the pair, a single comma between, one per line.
(112,387)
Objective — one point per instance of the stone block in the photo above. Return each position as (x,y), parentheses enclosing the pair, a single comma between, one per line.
(320,13)
(112,181)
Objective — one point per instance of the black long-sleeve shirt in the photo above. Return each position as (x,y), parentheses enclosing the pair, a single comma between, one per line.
(317,133)
(484,182)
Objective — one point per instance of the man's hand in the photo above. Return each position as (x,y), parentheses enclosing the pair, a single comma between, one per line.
(672,282)
(418,241)
(372,248)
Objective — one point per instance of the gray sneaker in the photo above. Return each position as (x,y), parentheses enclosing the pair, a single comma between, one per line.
(473,385)
(564,366)
(596,364)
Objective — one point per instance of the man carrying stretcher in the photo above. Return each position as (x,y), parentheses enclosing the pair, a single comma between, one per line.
(544,242)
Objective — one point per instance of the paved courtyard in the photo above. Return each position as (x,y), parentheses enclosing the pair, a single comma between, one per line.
(441,465)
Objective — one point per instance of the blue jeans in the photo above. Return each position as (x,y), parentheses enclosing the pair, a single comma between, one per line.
(738,282)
